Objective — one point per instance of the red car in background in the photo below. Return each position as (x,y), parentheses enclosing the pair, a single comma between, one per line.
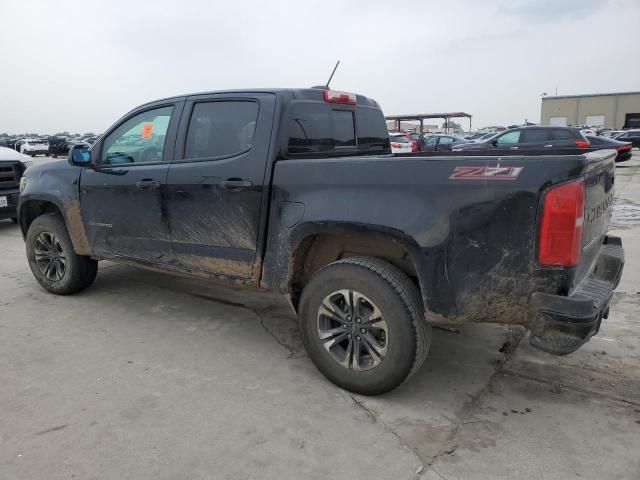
(417,141)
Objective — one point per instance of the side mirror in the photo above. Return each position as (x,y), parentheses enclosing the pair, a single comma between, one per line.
(80,157)
(494,143)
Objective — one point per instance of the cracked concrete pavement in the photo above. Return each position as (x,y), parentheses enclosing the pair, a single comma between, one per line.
(146,375)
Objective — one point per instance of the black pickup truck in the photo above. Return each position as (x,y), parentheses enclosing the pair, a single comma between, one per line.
(295,191)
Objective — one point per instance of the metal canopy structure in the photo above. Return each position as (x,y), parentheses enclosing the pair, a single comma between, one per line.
(420,117)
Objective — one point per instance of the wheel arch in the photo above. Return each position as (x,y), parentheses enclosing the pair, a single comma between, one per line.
(315,245)
(31,208)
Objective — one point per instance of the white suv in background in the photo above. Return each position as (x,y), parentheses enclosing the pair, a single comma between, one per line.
(33,147)
(399,143)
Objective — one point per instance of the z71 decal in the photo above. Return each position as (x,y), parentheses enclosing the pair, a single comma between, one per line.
(485,173)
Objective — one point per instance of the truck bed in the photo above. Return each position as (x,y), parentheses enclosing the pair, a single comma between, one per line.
(468,223)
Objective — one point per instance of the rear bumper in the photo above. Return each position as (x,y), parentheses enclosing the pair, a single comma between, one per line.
(623,156)
(562,324)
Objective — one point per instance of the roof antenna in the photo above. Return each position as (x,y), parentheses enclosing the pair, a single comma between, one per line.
(326,87)
(332,73)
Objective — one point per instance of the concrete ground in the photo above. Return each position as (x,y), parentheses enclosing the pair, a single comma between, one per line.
(147,376)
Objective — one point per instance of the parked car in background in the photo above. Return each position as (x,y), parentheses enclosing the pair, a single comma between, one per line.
(34,146)
(11,142)
(604,143)
(12,167)
(60,146)
(90,140)
(439,143)
(632,136)
(475,136)
(530,138)
(486,136)
(588,132)
(57,146)
(10,155)
(608,132)
(417,141)
(400,143)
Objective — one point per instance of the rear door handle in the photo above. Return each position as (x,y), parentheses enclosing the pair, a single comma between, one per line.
(514,148)
(148,184)
(548,146)
(236,184)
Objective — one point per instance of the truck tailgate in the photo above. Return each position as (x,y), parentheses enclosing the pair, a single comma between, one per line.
(561,323)
(599,192)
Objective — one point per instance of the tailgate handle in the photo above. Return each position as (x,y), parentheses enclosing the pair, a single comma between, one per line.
(148,184)
(236,184)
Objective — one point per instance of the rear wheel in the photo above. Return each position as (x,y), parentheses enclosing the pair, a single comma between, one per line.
(362,326)
(52,260)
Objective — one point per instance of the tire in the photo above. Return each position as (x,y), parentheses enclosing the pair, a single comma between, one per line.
(402,336)
(77,271)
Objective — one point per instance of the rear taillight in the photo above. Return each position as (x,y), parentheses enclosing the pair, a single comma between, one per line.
(396,145)
(561,230)
(582,144)
(624,148)
(331,96)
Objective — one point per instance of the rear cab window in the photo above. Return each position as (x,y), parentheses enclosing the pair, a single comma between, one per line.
(319,128)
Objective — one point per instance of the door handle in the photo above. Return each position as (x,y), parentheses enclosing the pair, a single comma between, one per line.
(236,184)
(514,148)
(148,184)
(548,146)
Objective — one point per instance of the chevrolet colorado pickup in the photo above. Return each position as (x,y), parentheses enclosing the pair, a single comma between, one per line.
(296,191)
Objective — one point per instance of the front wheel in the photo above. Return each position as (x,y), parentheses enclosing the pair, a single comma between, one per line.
(52,260)
(362,325)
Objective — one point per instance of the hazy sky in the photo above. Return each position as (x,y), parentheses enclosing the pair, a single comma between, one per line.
(79,65)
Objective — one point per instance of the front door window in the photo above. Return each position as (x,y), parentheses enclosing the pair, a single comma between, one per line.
(140,139)
(509,138)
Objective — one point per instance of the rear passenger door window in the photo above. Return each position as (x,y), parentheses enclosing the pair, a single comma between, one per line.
(560,134)
(535,136)
(220,129)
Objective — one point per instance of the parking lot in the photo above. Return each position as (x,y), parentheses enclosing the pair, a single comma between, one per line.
(147,376)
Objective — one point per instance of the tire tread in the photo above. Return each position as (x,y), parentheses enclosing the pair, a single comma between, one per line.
(410,296)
